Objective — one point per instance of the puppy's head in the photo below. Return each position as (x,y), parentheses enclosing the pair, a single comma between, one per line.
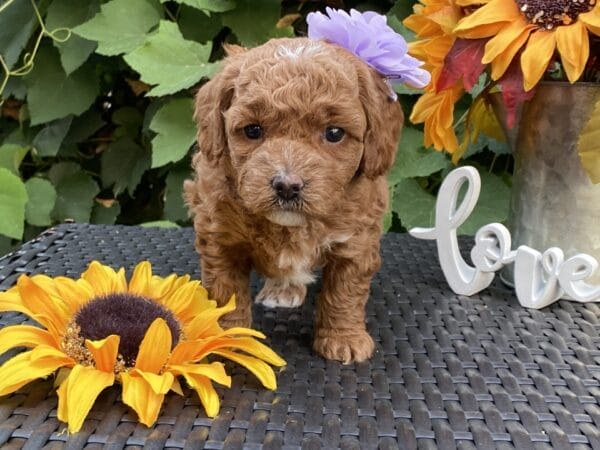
(295,121)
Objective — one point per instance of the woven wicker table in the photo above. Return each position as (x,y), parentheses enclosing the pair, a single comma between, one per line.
(449,371)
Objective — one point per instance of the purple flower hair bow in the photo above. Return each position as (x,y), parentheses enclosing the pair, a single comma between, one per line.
(369,37)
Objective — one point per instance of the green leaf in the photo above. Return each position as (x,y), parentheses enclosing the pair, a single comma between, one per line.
(169,61)
(54,95)
(47,142)
(175,209)
(84,126)
(254,22)
(123,164)
(129,120)
(6,245)
(42,197)
(492,206)
(196,25)
(160,224)
(121,26)
(17,23)
(13,197)
(413,160)
(208,5)
(11,156)
(414,206)
(176,131)
(75,198)
(68,14)
(105,215)
(62,170)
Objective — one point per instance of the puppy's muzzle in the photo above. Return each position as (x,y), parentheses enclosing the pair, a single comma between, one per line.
(288,187)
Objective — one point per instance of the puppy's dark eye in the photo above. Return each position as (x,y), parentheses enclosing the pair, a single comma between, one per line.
(253,131)
(334,134)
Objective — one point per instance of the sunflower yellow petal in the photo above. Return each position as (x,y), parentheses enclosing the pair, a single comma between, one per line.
(24,336)
(103,279)
(207,323)
(536,57)
(155,347)
(176,387)
(215,371)
(502,48)
(160,384)
(259,368)
(488,20)
(248,345)
(20,370)
(11,301)
(73,293)
(77,394)
(138,394)
(573,45)
(141,278)
(104,352)
(179,301)
(46,352)
(206,393)
(592,20)
(48,312)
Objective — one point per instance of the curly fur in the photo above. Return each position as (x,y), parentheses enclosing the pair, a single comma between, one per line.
(294,88)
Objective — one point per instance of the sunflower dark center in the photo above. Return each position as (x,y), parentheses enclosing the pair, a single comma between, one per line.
(126,315)
(551,13)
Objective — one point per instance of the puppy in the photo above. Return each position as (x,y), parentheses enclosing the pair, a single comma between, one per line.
(295,138)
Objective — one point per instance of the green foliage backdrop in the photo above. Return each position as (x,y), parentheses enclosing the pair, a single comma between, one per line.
(96,117)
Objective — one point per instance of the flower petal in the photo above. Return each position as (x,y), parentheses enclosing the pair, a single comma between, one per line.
(138,394)
(180,300)
(207,323)
(74,293)
(103,279)
(77,394)
(104,352)
(206,392)
(573,44)
(536,57)
(502,48)
(261,369)
(155,347)
(140,282)
(249,345)
(11,301)
(591,20)
(488,20)
(20,370)
(48,312)
(24,335)
(160,384)
(215,371)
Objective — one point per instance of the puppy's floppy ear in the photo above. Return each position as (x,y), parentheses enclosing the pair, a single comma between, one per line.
(212,100)
(384,122)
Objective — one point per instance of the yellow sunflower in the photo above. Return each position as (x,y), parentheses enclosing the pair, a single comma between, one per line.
(538,28)
(433,22)
(99,329)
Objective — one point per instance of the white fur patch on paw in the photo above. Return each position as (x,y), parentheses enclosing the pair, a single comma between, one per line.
(279,293)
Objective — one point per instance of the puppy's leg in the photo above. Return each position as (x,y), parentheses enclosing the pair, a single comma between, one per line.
(225,273)
(281,293)
(340,331)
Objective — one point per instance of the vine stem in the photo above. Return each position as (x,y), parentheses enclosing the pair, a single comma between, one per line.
(29,57)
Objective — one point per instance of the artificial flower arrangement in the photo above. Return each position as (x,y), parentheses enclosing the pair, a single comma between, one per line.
(100,330)
(510,45)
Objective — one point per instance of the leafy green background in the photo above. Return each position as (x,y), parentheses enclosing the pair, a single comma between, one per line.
(99,128)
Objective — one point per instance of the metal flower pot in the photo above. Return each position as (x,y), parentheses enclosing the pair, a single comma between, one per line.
(553,202)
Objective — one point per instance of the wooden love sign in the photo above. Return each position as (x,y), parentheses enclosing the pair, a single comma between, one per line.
(540,278)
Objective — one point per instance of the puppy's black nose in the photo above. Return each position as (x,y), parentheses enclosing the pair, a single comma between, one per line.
(288,186)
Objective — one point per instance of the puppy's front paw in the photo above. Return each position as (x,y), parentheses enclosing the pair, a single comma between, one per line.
(345,346)
(281,294)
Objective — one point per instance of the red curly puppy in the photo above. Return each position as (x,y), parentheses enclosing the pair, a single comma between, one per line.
(295,139)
